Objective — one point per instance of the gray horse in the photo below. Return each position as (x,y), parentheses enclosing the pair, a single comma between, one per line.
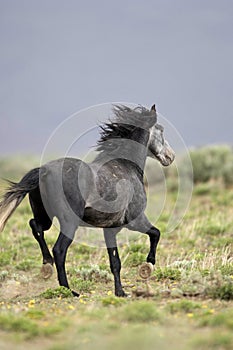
(108,192)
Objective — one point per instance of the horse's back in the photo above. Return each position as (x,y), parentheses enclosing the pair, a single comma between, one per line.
(64,187)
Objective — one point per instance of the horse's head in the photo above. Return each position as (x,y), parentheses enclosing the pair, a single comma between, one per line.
(158,147)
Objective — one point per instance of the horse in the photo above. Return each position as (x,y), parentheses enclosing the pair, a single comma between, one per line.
(108,192)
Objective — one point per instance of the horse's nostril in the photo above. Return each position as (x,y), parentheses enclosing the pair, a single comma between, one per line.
(171,156)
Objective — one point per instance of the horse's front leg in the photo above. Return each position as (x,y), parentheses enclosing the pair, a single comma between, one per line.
(143,225)
(59,251)
(154,235)
(114,259)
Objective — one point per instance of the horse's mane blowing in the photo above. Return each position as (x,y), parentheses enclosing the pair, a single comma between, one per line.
(125,120)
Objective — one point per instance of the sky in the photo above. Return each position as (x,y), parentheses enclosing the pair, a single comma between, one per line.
(59,57)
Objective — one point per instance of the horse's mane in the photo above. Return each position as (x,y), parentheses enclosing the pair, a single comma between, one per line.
(125,120)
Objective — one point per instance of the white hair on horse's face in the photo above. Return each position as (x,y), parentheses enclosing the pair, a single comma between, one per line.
(158,147)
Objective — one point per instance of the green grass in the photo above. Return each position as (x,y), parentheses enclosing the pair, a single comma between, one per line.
(92,273)
(59,292)
(140,312)
(27,327)
(19,324)
(26,265)
(168,273)
(112,300)
(81,285)
(183,306)
(134,259)
(215,341)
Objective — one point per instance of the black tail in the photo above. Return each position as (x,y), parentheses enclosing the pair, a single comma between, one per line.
(15,194)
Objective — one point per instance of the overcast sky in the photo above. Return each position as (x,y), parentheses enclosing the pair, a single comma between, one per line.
(58,57)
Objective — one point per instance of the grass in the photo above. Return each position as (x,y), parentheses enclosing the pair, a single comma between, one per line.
(140,312)
(83,286)
(183,306)
(223,291)
(168,273)
(192,284)
(59,292)
(27,327)
(112,300)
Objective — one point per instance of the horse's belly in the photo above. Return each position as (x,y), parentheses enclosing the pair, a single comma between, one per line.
(100,219)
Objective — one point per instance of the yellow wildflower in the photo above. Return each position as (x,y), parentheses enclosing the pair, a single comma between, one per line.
(31,303)
(82,301)
(71,307)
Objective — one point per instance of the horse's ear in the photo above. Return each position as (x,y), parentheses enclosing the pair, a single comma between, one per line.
(153,109)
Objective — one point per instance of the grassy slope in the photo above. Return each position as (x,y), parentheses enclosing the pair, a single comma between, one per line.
(192,283)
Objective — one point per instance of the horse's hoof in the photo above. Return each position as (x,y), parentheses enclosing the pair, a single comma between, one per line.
(145,270)
(46,271)
(75,294)
(121,294)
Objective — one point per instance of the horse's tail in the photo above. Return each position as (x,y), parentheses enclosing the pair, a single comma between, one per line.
(15,194)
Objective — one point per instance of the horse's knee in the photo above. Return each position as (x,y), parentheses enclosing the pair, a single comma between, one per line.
(33,224)
(38,226)
(46,224)
(57,250)
(115,262)
(37,230)
(154,234)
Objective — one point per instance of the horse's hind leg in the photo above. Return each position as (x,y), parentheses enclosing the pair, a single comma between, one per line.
(38,233)
(39,224)
(114,259)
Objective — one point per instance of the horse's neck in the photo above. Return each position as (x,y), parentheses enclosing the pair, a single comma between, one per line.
(134,150)
(137,151)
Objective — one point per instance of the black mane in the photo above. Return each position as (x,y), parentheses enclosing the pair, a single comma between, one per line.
(125,121)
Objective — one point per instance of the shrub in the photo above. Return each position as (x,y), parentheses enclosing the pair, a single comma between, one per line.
(168,273)
(223,292)
(228,173)
(93,273)
(59,292)
(81,285)
(212,162)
